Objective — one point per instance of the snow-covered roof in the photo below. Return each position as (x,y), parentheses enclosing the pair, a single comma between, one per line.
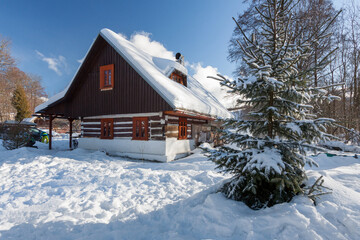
(30,120)
(51,100)
(21,123)
(155,71)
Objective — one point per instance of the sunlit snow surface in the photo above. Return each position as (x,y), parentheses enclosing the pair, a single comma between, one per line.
(81,194)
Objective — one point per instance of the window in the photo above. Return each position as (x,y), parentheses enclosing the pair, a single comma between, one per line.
(107,128)
(107,77)
(177,78)
(182,128)
(140,128)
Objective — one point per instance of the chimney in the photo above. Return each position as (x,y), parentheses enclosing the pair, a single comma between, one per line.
(180,58)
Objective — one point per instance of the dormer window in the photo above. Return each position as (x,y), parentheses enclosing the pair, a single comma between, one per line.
(178,78)
(107,77)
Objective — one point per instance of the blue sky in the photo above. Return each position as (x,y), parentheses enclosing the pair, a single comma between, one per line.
(49,37)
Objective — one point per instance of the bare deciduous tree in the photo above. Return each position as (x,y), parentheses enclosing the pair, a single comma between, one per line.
(10,76)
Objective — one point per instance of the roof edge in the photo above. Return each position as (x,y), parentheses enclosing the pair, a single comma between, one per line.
(57,97)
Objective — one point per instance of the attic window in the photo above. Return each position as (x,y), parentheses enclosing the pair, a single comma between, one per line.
(107,128)
(178,78)
(107,77)
(140,128)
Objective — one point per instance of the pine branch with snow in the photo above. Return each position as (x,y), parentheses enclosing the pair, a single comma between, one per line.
(266,153)
(317,189)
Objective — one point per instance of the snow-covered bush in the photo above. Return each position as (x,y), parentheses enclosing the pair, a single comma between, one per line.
(268,162)
(15,136)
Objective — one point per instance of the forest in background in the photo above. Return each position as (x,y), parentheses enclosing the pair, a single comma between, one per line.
(342,75)
(10,77)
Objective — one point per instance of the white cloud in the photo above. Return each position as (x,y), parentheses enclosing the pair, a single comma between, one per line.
(143,41)
(81,60)
(221,93)
(56,64)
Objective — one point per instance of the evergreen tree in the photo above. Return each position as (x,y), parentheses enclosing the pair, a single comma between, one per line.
(20,103)
(267,152)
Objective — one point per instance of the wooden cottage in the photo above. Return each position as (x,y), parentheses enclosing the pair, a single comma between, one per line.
(133,104)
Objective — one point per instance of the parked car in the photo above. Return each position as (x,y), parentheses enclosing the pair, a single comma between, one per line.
(16,135)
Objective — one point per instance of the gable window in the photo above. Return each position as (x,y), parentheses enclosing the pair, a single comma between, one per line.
(178,78)
(182,128)
(107,77)
(107,128)
(140,128)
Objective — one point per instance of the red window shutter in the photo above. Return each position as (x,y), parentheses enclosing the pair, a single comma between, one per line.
(178,78)
(182,128)
(107,128)
(140,128)
(107,76)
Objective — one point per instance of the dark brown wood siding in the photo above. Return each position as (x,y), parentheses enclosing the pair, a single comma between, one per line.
(130,94)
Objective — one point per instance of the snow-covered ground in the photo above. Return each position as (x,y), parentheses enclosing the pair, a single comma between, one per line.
(81,194)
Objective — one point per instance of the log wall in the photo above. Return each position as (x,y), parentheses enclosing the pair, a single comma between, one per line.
(160,127)
(123,127)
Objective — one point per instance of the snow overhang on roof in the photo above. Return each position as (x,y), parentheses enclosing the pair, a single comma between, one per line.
(155,71)
(167,66)
(51,100)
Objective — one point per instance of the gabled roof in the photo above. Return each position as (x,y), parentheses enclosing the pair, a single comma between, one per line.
(155,72)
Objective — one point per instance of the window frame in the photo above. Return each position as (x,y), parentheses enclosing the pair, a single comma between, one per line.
(179,77)
(146,122)
(182,127)
(102,77)
(111,128)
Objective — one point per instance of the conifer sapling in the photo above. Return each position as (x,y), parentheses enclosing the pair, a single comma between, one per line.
(20,103)
(266,153)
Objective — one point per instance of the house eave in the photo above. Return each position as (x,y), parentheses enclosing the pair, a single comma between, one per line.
(189,114)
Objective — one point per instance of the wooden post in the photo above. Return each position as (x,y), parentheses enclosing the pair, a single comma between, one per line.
(70,137)
(50,131)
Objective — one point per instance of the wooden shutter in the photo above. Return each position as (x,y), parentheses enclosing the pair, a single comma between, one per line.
(107,128)
(182,128)
(140,128)
(107,76)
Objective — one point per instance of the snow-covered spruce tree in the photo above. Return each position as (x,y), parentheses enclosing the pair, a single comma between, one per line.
(267,152)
